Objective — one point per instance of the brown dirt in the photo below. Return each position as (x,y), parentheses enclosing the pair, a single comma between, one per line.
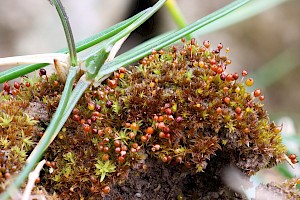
(166,182)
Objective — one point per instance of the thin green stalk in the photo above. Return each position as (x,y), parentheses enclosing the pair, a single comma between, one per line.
(254,8)
(94,62)
(57,122)
(144,45)
(16,72)
(60,117)
(103,35)
(136,23)
(126,59)
(50,134)
(80,46)
(68,32)
(63,111)
(38,151)
(177,15)
(81,86)
(92,67)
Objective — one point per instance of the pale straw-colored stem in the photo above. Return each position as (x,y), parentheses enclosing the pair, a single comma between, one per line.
(31,180)
(34,59)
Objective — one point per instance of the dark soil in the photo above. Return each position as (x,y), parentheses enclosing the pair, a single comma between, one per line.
(166,182)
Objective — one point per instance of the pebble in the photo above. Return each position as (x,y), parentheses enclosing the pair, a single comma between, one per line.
(138,195)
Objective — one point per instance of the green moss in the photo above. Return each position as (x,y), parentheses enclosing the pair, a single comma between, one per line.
(17,136)
(104,168)
(189,99)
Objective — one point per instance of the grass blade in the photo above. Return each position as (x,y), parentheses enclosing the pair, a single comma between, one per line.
(68,31)
(113,40)
(126,59)
(80,46)
(136,23)
(177,15)
(36,58)
(38,151)
(81,86)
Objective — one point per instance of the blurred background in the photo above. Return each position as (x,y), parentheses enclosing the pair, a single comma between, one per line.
(267,45)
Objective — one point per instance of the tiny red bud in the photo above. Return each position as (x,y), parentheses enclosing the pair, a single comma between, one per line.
(235,76)
(17,85)
(292,156)
(238,110)
(206,43)
(42,72)
(168,111)
(179,119)
(244,73)
(257,92)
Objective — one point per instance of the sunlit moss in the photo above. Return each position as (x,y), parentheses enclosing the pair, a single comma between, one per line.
(195,109)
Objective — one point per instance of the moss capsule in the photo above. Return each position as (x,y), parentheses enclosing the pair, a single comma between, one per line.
(249,82)
(106,190)
(149,130)
(257,92)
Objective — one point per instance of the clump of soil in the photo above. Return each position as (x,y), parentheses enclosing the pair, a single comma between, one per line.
(164,182)
(164,129)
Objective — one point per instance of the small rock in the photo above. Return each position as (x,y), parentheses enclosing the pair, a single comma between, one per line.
(138,195)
